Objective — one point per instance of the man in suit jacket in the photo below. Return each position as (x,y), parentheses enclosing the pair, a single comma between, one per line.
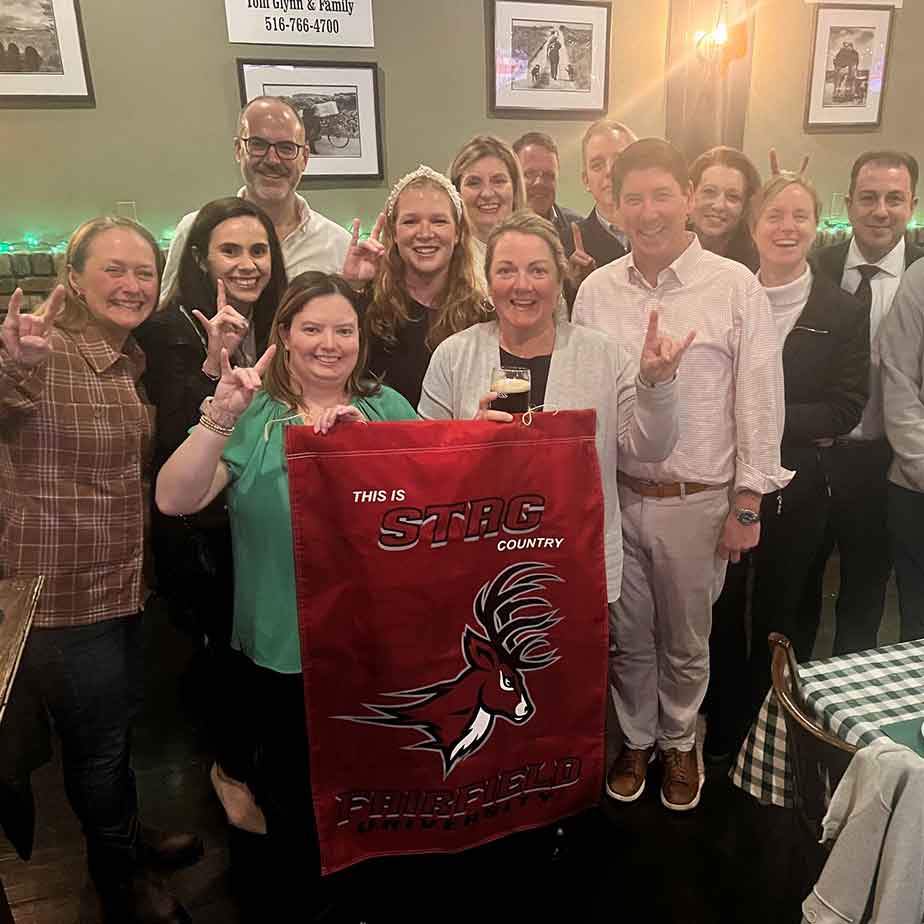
(870,265)
(538,157)
(601,231)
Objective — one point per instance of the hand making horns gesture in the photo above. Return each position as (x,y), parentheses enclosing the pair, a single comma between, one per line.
(363,257)
(236,388)
(26,336)
(776,170)
(225,330)
(661,354)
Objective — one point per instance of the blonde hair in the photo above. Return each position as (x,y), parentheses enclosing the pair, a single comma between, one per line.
(461,304)
(527,222)
(489,146)
(773,187)
(75,314)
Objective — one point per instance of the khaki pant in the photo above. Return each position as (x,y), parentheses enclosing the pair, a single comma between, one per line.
(659,628)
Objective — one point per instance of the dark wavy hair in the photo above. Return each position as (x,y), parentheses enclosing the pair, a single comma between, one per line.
(302,289)
(194,287)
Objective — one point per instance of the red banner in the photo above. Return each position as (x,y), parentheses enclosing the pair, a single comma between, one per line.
(452,611)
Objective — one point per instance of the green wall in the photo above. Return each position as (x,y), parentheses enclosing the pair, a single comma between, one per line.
(167,100)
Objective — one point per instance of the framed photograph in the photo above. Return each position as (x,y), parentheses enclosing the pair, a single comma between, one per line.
(43,58)
(549,57)
(847,70)
(339,104)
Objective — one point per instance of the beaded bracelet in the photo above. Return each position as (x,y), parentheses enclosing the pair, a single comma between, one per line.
(210,424)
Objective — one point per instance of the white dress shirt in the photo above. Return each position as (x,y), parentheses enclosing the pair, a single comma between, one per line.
(315,243)
(883,286)
(731,379)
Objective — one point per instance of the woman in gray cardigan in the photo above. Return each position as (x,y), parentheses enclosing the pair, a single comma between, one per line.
(571,368)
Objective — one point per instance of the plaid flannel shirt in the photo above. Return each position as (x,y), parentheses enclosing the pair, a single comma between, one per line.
(75,453)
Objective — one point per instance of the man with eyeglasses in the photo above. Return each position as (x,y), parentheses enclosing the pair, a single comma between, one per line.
(271,150)
(538,157)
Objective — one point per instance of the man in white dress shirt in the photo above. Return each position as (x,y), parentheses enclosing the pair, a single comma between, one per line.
(683,518)
(271,151)
(871,265)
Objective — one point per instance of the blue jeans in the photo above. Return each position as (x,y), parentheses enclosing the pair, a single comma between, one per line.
(91,680)
(906,530)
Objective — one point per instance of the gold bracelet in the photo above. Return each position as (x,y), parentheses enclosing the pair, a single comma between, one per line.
(210,424)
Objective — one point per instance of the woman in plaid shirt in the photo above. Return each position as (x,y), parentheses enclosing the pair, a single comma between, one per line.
(75,438)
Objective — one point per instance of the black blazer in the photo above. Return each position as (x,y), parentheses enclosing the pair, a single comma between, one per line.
(598,242)
(825,368)
(831,260)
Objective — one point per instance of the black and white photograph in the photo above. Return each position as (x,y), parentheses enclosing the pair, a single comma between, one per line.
(848,67)
(338,104)
(42,55)
(550,56)
(29,38)
(330,116)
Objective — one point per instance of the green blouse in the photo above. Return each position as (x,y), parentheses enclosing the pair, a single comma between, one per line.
(265,612)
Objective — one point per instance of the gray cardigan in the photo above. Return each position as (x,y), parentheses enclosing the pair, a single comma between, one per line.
(901,347)
(588,370)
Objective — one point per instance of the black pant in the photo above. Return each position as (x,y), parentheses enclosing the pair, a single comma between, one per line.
(857,475)
(265,743)
(91,680)
(726,697)
(793,526)
(906,528)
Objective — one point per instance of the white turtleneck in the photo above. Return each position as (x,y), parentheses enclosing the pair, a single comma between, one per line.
(787,302)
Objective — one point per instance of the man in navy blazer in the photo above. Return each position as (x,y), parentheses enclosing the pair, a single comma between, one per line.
(880,204)
(538,157)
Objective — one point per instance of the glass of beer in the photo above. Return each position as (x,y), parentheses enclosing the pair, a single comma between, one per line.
(511,384)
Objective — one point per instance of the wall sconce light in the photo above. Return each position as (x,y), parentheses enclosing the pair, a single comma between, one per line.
(710,45)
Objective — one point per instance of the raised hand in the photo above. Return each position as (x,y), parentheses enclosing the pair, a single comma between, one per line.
(661,354)
(580,264)
(225,330)
(363,257)
(26,336)
(485,411)
(237,387)
(776,170)
(331,415)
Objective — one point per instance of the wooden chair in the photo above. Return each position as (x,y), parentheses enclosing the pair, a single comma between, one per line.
(818,758)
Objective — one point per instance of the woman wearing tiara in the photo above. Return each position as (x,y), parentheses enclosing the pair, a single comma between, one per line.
(416,270)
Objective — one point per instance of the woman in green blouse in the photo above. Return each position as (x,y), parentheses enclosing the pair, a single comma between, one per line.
(311,373)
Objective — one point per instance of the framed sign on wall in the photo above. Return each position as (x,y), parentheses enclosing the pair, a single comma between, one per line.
(43,59)
(347,23)
(847,71)
(339,106)
(549,57)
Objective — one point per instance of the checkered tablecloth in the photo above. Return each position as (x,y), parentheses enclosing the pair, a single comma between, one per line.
(852,696)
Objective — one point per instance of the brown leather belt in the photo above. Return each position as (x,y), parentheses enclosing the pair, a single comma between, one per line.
(670,489)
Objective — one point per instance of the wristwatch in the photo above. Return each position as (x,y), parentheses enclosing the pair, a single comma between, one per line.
(746,517)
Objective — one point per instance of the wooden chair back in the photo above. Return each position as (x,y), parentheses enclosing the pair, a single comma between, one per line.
(818,758)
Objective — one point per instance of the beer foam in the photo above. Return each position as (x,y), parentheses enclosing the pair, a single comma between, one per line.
(510,386)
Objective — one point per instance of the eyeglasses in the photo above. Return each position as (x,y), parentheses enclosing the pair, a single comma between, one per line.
(260,147)
(533,176)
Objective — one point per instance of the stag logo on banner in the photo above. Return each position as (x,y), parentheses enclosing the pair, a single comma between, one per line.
(457,716)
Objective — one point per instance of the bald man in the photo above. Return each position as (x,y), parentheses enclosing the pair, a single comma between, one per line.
(271,150)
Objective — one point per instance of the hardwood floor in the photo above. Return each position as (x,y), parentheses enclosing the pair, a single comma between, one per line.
(729,861)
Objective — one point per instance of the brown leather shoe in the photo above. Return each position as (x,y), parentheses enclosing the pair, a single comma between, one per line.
(682,783)
(626,780)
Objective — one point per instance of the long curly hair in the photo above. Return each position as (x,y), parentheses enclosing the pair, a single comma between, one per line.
(461,305)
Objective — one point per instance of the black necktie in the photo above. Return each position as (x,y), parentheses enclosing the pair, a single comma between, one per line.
(864,291)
